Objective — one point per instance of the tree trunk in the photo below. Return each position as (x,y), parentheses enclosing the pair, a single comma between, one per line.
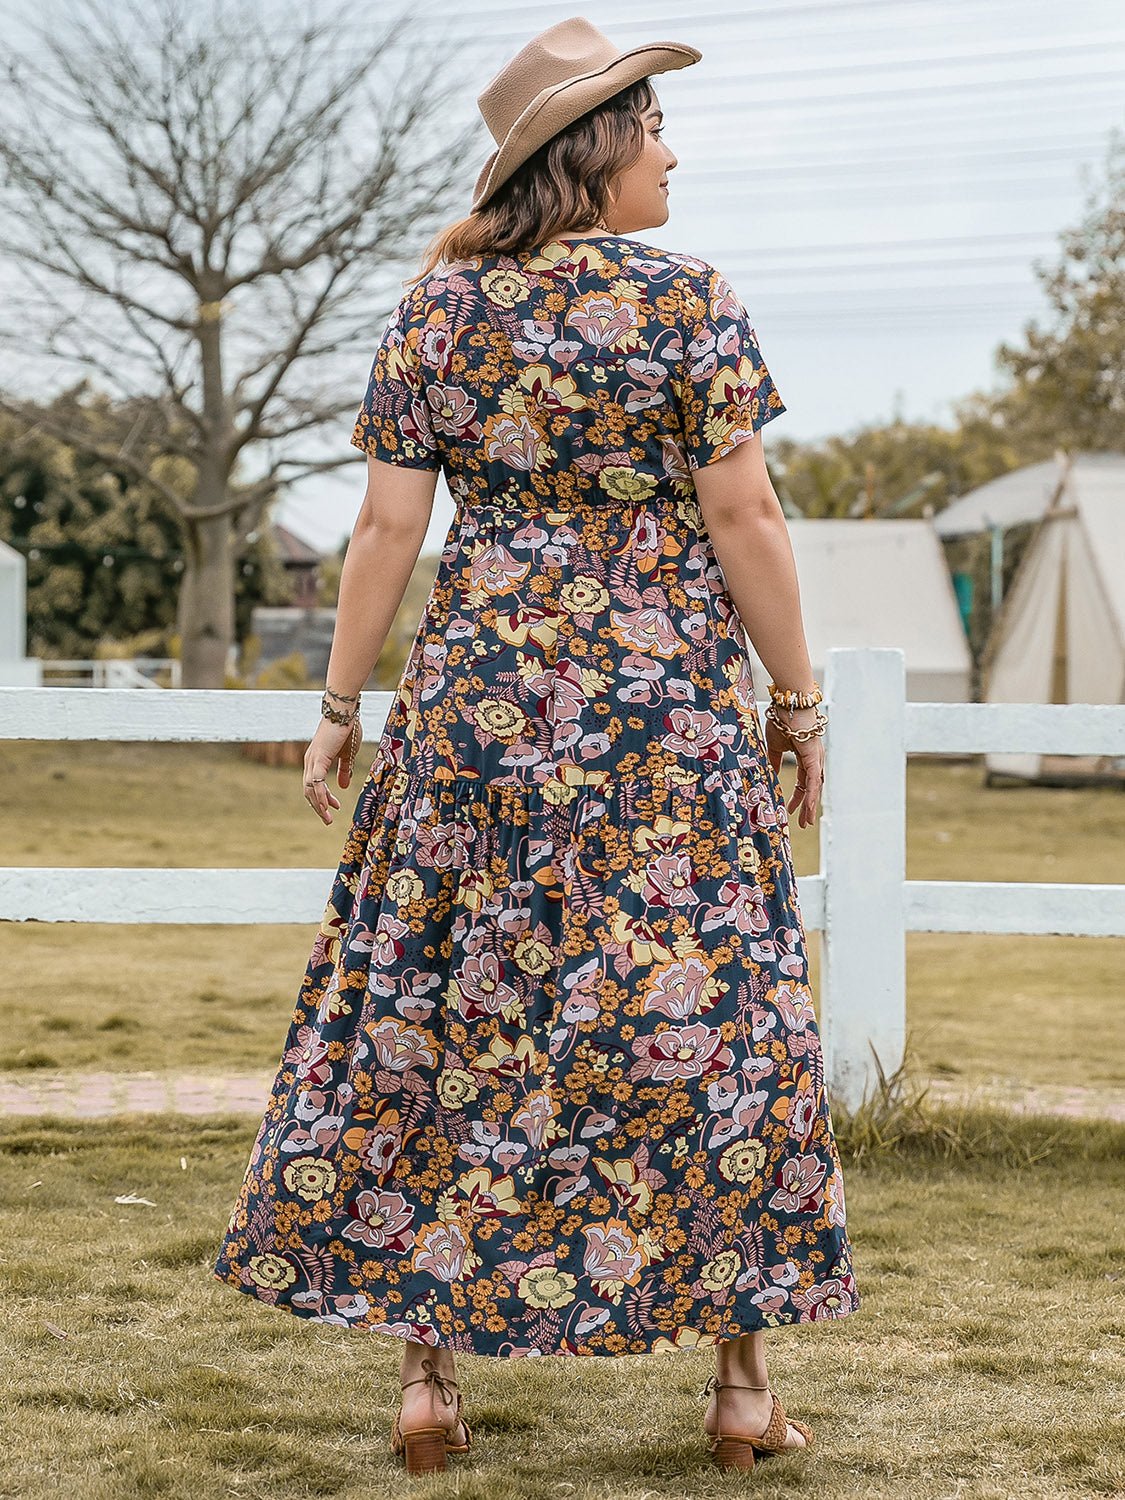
(206,604)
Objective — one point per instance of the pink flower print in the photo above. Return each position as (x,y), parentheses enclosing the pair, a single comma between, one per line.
(834,1206)
(739,905)
(442,1251)
(802,1113)
(760,806)
(496,570)
(441,846)
(650,630)
(479,988)
(794,1005)
(800,1185)
(453,412)
(696,734)
(569,700)
(613,1258)
(604,321)
(682,988)
(534,1116)
(680,1052)
(435,345)
(379,1150)
(379,1220)
(670,881)
(401,1047)
(387,946)
(828,1300)
(312,1060)
(515,441)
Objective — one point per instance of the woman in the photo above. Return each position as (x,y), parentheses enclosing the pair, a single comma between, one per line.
(553,1084)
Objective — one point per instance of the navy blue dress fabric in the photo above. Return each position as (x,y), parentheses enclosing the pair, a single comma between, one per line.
(553,1083)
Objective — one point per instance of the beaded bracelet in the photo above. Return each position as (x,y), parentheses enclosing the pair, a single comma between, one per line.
(794,698)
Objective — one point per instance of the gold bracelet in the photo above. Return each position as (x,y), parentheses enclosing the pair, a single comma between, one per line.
(797,736)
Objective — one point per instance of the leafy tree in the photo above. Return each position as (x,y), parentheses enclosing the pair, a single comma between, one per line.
(104,553)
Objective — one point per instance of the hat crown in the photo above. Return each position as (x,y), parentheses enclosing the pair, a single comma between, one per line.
(563,51)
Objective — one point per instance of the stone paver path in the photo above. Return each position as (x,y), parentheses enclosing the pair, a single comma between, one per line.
(92,1095)
(89,1095)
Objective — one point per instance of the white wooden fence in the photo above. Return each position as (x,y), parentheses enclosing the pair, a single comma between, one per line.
(860,900)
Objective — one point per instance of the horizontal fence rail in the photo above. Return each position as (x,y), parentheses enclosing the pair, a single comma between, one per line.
(860,901)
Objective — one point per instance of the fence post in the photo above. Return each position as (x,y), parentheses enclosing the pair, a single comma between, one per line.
(863,864)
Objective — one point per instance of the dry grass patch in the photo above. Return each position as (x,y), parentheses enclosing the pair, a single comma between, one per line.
(987,1361)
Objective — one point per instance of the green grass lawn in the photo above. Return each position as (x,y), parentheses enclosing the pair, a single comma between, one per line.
(1033,1010)
(987,1361)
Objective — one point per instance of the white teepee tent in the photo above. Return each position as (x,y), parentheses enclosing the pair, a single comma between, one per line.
(880,582)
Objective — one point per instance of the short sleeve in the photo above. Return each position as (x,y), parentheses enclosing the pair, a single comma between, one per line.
(727,394)
(394,423)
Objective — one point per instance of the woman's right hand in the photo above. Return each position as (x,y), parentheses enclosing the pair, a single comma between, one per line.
(810,762)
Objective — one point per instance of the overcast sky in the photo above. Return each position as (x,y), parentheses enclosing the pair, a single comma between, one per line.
(876,177)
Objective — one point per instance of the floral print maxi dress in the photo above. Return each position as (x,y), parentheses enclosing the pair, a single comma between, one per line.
(553,1083)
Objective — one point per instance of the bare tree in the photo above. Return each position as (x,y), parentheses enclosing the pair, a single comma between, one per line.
(205,204)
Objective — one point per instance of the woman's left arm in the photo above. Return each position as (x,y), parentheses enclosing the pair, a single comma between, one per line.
(381,554)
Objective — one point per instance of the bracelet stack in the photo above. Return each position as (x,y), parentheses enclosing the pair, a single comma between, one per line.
(338,715)
(789,699)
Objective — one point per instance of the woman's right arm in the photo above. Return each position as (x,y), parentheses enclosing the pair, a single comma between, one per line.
(750,536)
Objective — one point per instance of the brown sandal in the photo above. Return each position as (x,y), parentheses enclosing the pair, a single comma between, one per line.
(426,1447)
(734,1450)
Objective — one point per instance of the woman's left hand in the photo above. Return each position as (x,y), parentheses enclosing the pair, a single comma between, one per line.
(330,743)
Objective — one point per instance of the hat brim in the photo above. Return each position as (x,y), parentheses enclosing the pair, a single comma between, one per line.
(561,104)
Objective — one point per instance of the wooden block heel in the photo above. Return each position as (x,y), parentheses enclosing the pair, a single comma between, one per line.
(733,1453)
(738,1450)
(425,1450)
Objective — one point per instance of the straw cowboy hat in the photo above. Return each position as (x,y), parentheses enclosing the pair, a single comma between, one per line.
(560,74)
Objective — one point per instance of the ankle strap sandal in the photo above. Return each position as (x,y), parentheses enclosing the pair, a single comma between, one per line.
(736,1450)
(426,1448)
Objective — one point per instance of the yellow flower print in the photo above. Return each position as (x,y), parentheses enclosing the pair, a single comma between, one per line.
(533,956)
(474,887)
(456,1087)
(507,722)
(309,1177)
(626,484)
(742,1160)
(685,1338)
(505,287)
(580,253)
(519,1058)
(544,1286)
(719,1273)
(550,391)
(271,1272)
(644,945)
(662,834)
(405,886)
(529,623)
(748,856)
(486,1196)
(632,1193)
(584,596)
(557,793)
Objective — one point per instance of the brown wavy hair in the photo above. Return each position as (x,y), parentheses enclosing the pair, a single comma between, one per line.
(562,186)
